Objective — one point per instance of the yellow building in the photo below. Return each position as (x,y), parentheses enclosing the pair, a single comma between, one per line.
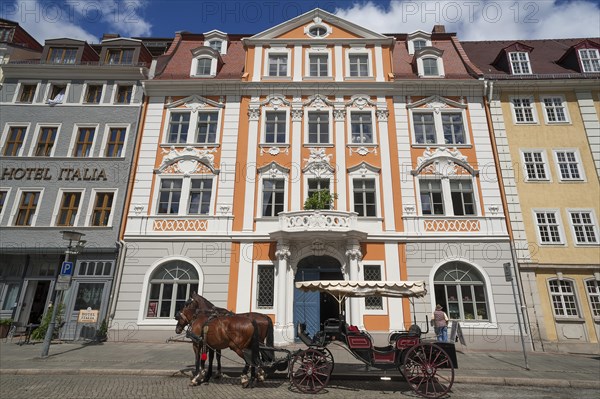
(543,103)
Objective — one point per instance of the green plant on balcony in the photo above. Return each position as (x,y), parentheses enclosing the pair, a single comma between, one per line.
(320,199)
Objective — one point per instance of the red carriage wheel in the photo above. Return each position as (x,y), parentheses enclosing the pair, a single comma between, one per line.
(428,370)
(310,370)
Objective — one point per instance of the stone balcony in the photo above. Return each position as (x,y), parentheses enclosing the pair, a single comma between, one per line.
(318,221)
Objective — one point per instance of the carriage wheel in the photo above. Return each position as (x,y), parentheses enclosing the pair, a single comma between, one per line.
(327,353)
(310,370)
(428,370)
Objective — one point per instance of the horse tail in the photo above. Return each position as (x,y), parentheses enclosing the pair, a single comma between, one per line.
(270,354)
(255,345)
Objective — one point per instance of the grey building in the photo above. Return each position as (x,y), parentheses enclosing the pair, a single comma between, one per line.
(68,125)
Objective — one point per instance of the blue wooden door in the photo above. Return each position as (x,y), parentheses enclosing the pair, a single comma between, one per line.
(307,305)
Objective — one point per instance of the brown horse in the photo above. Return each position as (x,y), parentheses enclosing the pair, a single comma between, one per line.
(265,327)
(209,330)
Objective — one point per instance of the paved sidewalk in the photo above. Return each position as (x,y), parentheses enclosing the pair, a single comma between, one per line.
(145,358)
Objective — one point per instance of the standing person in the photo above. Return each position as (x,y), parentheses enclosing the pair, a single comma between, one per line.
(440,324)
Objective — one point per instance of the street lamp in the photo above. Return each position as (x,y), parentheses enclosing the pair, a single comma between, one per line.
(75,246)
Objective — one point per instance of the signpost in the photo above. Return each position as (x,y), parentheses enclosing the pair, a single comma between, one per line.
(508,276)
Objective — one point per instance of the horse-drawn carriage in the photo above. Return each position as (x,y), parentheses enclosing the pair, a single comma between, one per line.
(428,367)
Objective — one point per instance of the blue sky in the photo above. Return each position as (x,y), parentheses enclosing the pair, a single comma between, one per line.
(471,19)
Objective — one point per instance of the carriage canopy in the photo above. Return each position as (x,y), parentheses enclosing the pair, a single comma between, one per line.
(341,289)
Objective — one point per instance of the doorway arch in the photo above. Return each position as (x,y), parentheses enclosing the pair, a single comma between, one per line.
(313,308)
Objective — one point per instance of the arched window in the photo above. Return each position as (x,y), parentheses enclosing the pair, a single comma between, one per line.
(171,284)
(460,289)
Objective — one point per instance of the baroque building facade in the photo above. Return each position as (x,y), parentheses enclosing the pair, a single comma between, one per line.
(238,131)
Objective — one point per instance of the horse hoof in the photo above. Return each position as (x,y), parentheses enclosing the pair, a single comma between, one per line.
(245,381)
(218,375)
(261,376)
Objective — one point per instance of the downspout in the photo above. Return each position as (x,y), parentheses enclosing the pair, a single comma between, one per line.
(489,92)
(114,294)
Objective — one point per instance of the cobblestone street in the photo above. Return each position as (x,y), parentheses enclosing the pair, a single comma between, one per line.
(145,387)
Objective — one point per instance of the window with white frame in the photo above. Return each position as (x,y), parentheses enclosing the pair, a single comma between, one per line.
(278,64)
(189,196)
(27,208)
(318,127)
(45,142)
(430,67)
(419,44)
(207,127)
(555,110)
(205,123)
(273,197)
(275,127)
(57,93)
(216,45)
(317,184)
(95,269)
(68,209)
(265,287)
(204,66)
(562,294)
(14,141)
(461,290)
(568,165)
(584,227)
(523,110)
(445,127)
(463,200)
(3,197)
(179,124)
(365,197)
(452,197)
(124,94)
(373,273)
(115,142)
(432,199)
(548,227)
(318,31)
(27,93)
(592,288)
(590,60)
(200,197)
(417,41)
(519,63)
(93,93)
(358,65)
(535,165)
(318,65)
(361,125)
(84,142)
(102,209)
(170,286)
(169,196)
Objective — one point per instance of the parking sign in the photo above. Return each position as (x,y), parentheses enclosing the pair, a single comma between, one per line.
(66,269)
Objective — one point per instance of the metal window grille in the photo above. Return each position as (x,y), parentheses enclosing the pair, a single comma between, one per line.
(373,273)
(265,287)
(563,298)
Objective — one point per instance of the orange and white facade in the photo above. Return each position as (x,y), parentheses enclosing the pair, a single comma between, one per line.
(239,131)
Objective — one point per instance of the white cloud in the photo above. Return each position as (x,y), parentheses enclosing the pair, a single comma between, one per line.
(483,19)
(45,19)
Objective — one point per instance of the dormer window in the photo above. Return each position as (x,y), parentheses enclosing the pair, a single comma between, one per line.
(5,34)
(417,41)
(119,56)
(419,44)
(590,60)
(519,63)
(216,40)
(215,45)
(430,67)
(429,62)
(204,63)
(62,55)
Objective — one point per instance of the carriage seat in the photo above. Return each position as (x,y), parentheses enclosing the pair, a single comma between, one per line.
(406,339)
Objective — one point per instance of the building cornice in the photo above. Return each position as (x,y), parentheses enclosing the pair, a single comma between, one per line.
(70,72)
(388,41)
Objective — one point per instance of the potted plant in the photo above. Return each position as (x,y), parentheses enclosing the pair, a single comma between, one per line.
(102,332)
(5,325)
(320,199)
